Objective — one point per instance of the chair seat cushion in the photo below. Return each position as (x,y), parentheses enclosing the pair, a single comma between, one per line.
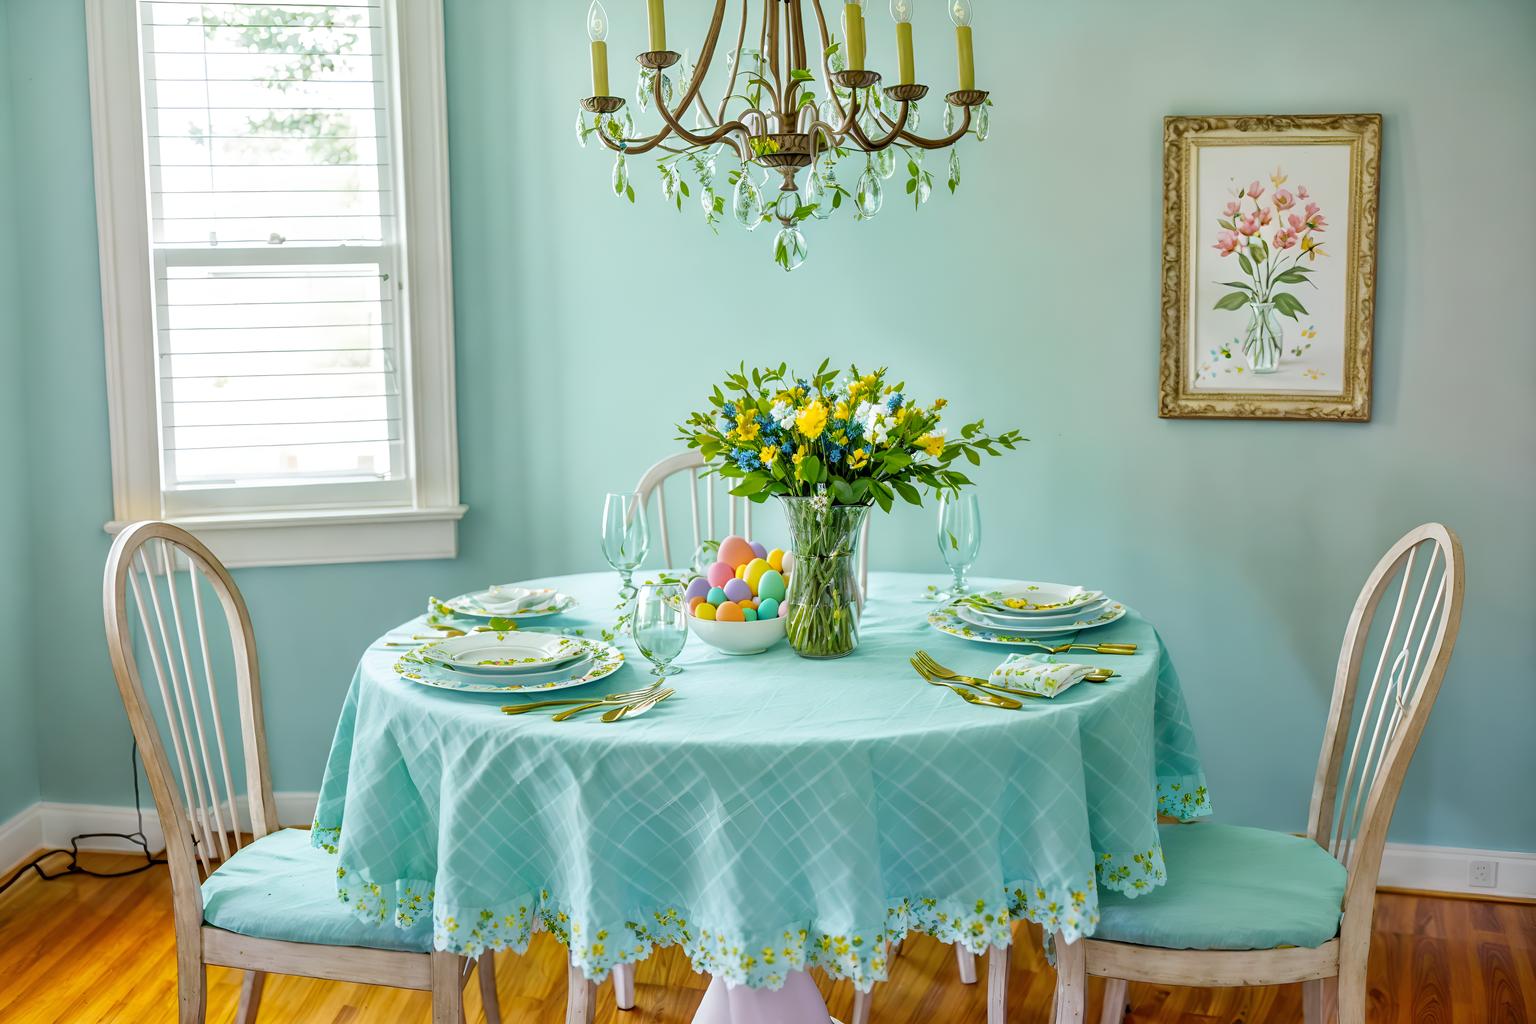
(1231,887)
(280,887)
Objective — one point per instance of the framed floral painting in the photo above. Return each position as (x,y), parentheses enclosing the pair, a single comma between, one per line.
(1269,266)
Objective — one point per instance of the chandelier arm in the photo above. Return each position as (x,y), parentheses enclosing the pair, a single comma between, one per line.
(683,133)
(871,145)
(944,143)
(730,86)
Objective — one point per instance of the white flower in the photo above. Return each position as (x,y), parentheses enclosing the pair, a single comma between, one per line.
(783,414)
(876,427)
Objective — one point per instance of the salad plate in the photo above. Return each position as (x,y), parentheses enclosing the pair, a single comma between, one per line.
(1028,598)
(497,654)
(1061,620)
(507,602)
(596,661)
(947,620)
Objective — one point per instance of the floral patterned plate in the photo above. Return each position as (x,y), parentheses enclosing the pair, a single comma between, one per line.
(978,616)
(501,654)
(947,620)
(469,606)
(600,660)
(1028,598)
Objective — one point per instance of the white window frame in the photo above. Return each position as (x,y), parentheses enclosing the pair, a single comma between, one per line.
(424,527)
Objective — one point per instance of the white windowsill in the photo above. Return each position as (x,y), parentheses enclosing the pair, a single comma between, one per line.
(325,536)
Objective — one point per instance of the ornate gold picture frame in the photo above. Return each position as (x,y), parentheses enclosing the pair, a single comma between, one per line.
(1269,266)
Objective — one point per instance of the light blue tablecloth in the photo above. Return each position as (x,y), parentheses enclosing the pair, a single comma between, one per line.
(777,813)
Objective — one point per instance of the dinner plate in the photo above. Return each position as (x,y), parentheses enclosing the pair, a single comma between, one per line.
(947,620)
(1061,620)
(502,654)
(1028,598)
(481,605)
(599,661)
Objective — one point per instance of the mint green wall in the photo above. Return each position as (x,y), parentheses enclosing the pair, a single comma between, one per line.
(18,751)
(1244,541)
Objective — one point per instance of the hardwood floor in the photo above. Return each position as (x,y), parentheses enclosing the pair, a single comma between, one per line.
(89,951)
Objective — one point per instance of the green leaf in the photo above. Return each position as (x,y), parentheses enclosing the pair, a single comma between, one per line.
(908,492)
(1287,304)
(843,491)
(1236,284)
(800,75)
(809,470)
(1232,300)
(1242,261)
(1296,275)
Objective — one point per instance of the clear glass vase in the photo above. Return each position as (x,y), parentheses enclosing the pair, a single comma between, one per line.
(1264,338)
(824,603)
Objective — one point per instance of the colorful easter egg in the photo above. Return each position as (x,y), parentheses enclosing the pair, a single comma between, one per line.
(789,563)
(694,602)
(749,614)
(771,585)
(776,559)
(698,588)
(716,597)
(758,549)
(735,551)
(737,591)
(783,610)
(741,570)
(705,611)
(768,608)
(719,573)
(729,612)
(755,570)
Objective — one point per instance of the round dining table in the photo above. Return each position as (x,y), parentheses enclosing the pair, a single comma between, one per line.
(775,814)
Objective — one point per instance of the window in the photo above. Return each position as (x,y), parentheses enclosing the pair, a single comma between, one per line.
(275,274)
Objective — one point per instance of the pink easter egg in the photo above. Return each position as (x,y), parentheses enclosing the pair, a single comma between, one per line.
(783,609)
(759,550)
(735,551)
(737,590)
(720,573)
(789,563)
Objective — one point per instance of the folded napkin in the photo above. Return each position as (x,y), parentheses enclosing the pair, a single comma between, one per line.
(1038,673)
(511,600)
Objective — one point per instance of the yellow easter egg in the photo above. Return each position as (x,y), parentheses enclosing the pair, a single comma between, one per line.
(776,559)
(741,571)
(754,572)
(729,612)
(704,610)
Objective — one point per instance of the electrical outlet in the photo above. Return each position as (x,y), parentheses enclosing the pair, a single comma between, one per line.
(1483,874)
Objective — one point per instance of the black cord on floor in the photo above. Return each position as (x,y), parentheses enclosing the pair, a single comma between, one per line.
(138,838)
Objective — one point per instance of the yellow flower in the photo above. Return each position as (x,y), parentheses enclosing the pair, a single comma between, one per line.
(746,430)
(768,454)
(933,444)
(939,403)
(858,458)
(1279,177)
(801,453)
(812,420)
(842,411)
(1312,248)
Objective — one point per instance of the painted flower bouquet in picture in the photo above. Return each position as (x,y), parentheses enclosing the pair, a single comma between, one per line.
(1270,238)
(831,446)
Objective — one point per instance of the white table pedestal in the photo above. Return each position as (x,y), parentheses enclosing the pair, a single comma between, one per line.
(798,1002)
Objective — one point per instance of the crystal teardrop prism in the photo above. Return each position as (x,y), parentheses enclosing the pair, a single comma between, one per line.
(924,188)
(884,162)
(789,248)
(643,90)
(982,122)
(620,176)
(819,192)
(787,207)
(747,202)
(581,129)
(671,181)
(949,119)
(954,169)
(869,194)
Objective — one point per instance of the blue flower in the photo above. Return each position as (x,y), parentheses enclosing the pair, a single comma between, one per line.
(729,410)
(745,459)
(835,454)
(893,403)
(787,447)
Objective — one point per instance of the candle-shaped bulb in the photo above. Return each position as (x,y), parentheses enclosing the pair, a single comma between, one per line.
(960,12)
(597,31)
(853,32)
(901,11)
(657,21)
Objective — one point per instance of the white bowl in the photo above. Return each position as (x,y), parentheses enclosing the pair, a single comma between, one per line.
(738,637)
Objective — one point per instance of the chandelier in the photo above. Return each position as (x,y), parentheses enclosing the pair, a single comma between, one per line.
(779,115)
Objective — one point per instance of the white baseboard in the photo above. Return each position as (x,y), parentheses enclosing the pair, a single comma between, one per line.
(1448,869)
(52,825)
(1403,866)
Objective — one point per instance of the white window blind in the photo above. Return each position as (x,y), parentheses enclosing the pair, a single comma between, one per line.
(276,249)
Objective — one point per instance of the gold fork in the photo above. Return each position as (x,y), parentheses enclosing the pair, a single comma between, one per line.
(982,697)
(1098,675)
(612,698)
(1104,648)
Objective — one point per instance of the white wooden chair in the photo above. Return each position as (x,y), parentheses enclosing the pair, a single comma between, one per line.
(736,515)
(1352,802)
(203,814)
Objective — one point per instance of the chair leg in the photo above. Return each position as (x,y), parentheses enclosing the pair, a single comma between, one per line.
(580,998)
(192,991)
(1349,996)
(860,1007)
(1114,1001)
(624,986)
(1071,980)
(250,996)
(485,967)
(967,962)
(997,985)
(447,988)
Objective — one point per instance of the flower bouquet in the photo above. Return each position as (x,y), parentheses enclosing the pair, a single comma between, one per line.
(830,446)
(1267,265)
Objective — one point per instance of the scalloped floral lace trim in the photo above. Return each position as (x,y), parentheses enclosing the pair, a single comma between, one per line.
(1183,797)
(762,960)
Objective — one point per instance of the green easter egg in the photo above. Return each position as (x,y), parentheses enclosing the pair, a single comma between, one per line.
(749,614)
(771,585)
(716,596)
(768,609)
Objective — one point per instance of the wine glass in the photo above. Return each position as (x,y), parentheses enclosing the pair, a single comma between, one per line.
(959,537)
(626,539)
(660,625)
